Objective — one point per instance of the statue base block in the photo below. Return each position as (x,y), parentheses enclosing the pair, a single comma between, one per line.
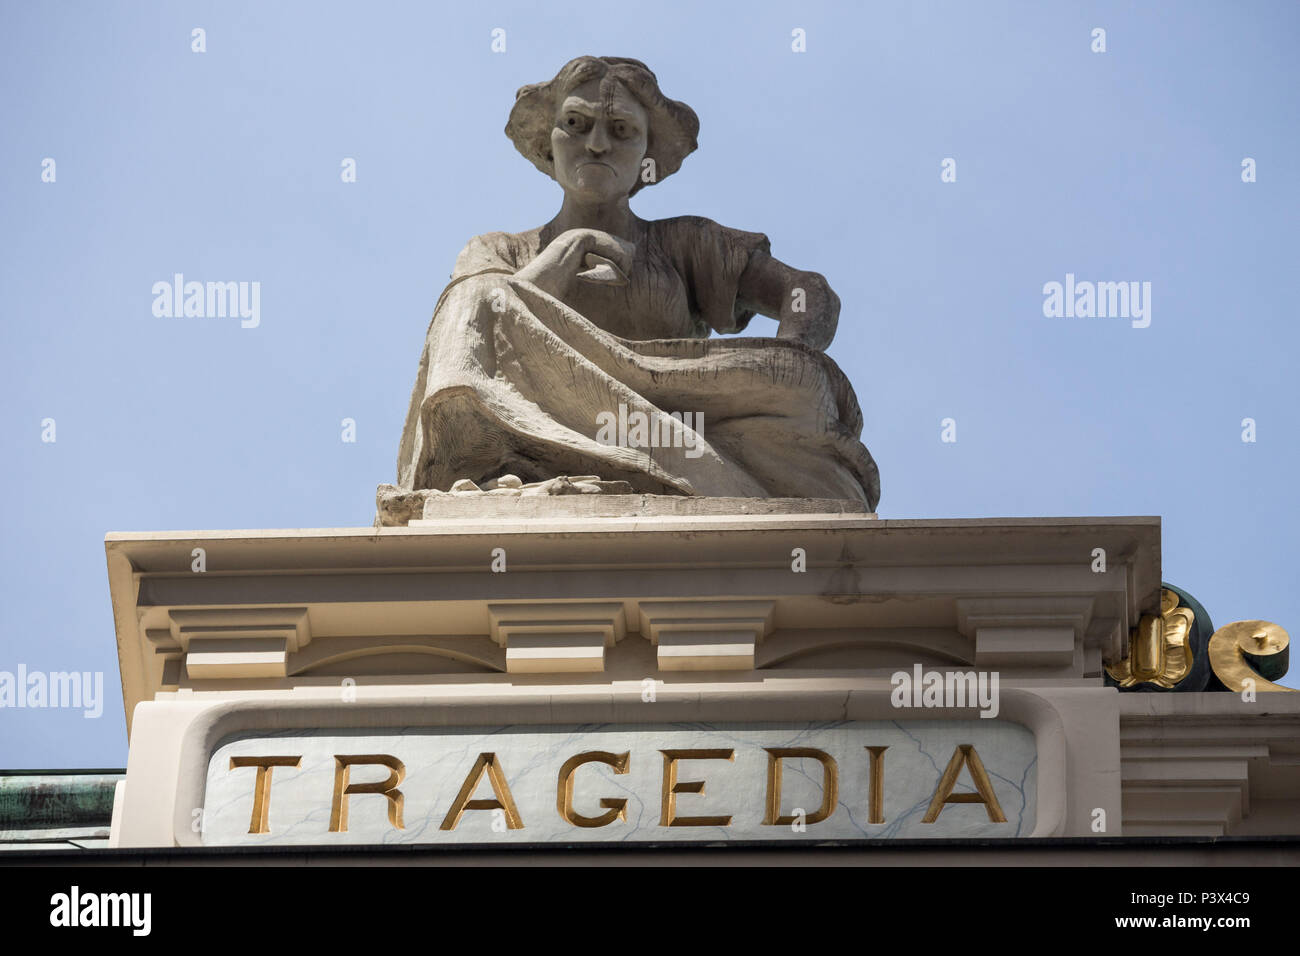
(474,506)
(561,501)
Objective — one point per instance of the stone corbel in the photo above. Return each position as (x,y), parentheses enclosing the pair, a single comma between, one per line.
(168,658)
(1024,632)
(706,635)
(556,638)
(227,643)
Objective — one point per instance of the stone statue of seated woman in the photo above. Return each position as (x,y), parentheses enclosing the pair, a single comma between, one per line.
(582,348)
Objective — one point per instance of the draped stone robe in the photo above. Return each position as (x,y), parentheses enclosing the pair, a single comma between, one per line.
(515,381)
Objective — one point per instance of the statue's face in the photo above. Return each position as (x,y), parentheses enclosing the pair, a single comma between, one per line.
(599,141)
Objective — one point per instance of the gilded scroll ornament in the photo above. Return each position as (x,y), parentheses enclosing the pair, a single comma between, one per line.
(1251,651)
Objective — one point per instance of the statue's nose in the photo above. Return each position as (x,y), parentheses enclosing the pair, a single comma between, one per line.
(597,140)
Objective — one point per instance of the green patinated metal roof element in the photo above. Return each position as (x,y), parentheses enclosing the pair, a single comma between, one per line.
(56,808)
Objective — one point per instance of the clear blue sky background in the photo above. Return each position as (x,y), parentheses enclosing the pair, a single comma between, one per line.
(225,166)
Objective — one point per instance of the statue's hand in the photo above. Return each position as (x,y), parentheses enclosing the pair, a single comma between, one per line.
(559,264)
(814,330)
(804,304)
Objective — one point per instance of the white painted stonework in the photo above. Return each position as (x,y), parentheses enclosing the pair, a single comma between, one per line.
(437,764)
(338,638)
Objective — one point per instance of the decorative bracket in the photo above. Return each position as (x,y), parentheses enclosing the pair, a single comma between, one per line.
(556,638)
(706,635)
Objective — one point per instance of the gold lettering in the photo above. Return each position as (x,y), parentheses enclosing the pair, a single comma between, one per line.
(965,755)
(616,807)
(262,786)
(343,789)
(830,784)
(876,800)
(486,763)
(668,816)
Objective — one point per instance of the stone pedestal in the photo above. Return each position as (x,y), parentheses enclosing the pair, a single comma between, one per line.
(480,662)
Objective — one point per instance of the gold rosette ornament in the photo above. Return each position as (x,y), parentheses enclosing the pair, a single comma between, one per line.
(1160,650)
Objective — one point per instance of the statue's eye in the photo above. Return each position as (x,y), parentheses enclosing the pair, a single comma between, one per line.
(575,123)
(622,129)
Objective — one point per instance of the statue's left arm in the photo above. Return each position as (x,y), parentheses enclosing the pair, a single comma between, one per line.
(803,302)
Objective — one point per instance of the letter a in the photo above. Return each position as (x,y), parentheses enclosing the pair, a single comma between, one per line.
(486,763)
(965,755)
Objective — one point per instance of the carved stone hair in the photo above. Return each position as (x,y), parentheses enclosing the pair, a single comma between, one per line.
(673,125)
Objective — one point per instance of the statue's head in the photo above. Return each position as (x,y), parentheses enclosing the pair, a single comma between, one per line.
(594,127)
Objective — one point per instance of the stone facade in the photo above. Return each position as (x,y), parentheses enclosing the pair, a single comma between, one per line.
(645,624)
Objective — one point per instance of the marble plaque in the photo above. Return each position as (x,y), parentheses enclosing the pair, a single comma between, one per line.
(450,792)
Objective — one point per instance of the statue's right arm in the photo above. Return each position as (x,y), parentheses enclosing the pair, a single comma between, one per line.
(556,267)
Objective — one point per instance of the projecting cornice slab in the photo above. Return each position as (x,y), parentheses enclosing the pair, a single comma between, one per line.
(243,610)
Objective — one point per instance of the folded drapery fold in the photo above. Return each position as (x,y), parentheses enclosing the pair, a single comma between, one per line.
(512,380)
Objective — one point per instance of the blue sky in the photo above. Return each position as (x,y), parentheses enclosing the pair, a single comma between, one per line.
(1115,166)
